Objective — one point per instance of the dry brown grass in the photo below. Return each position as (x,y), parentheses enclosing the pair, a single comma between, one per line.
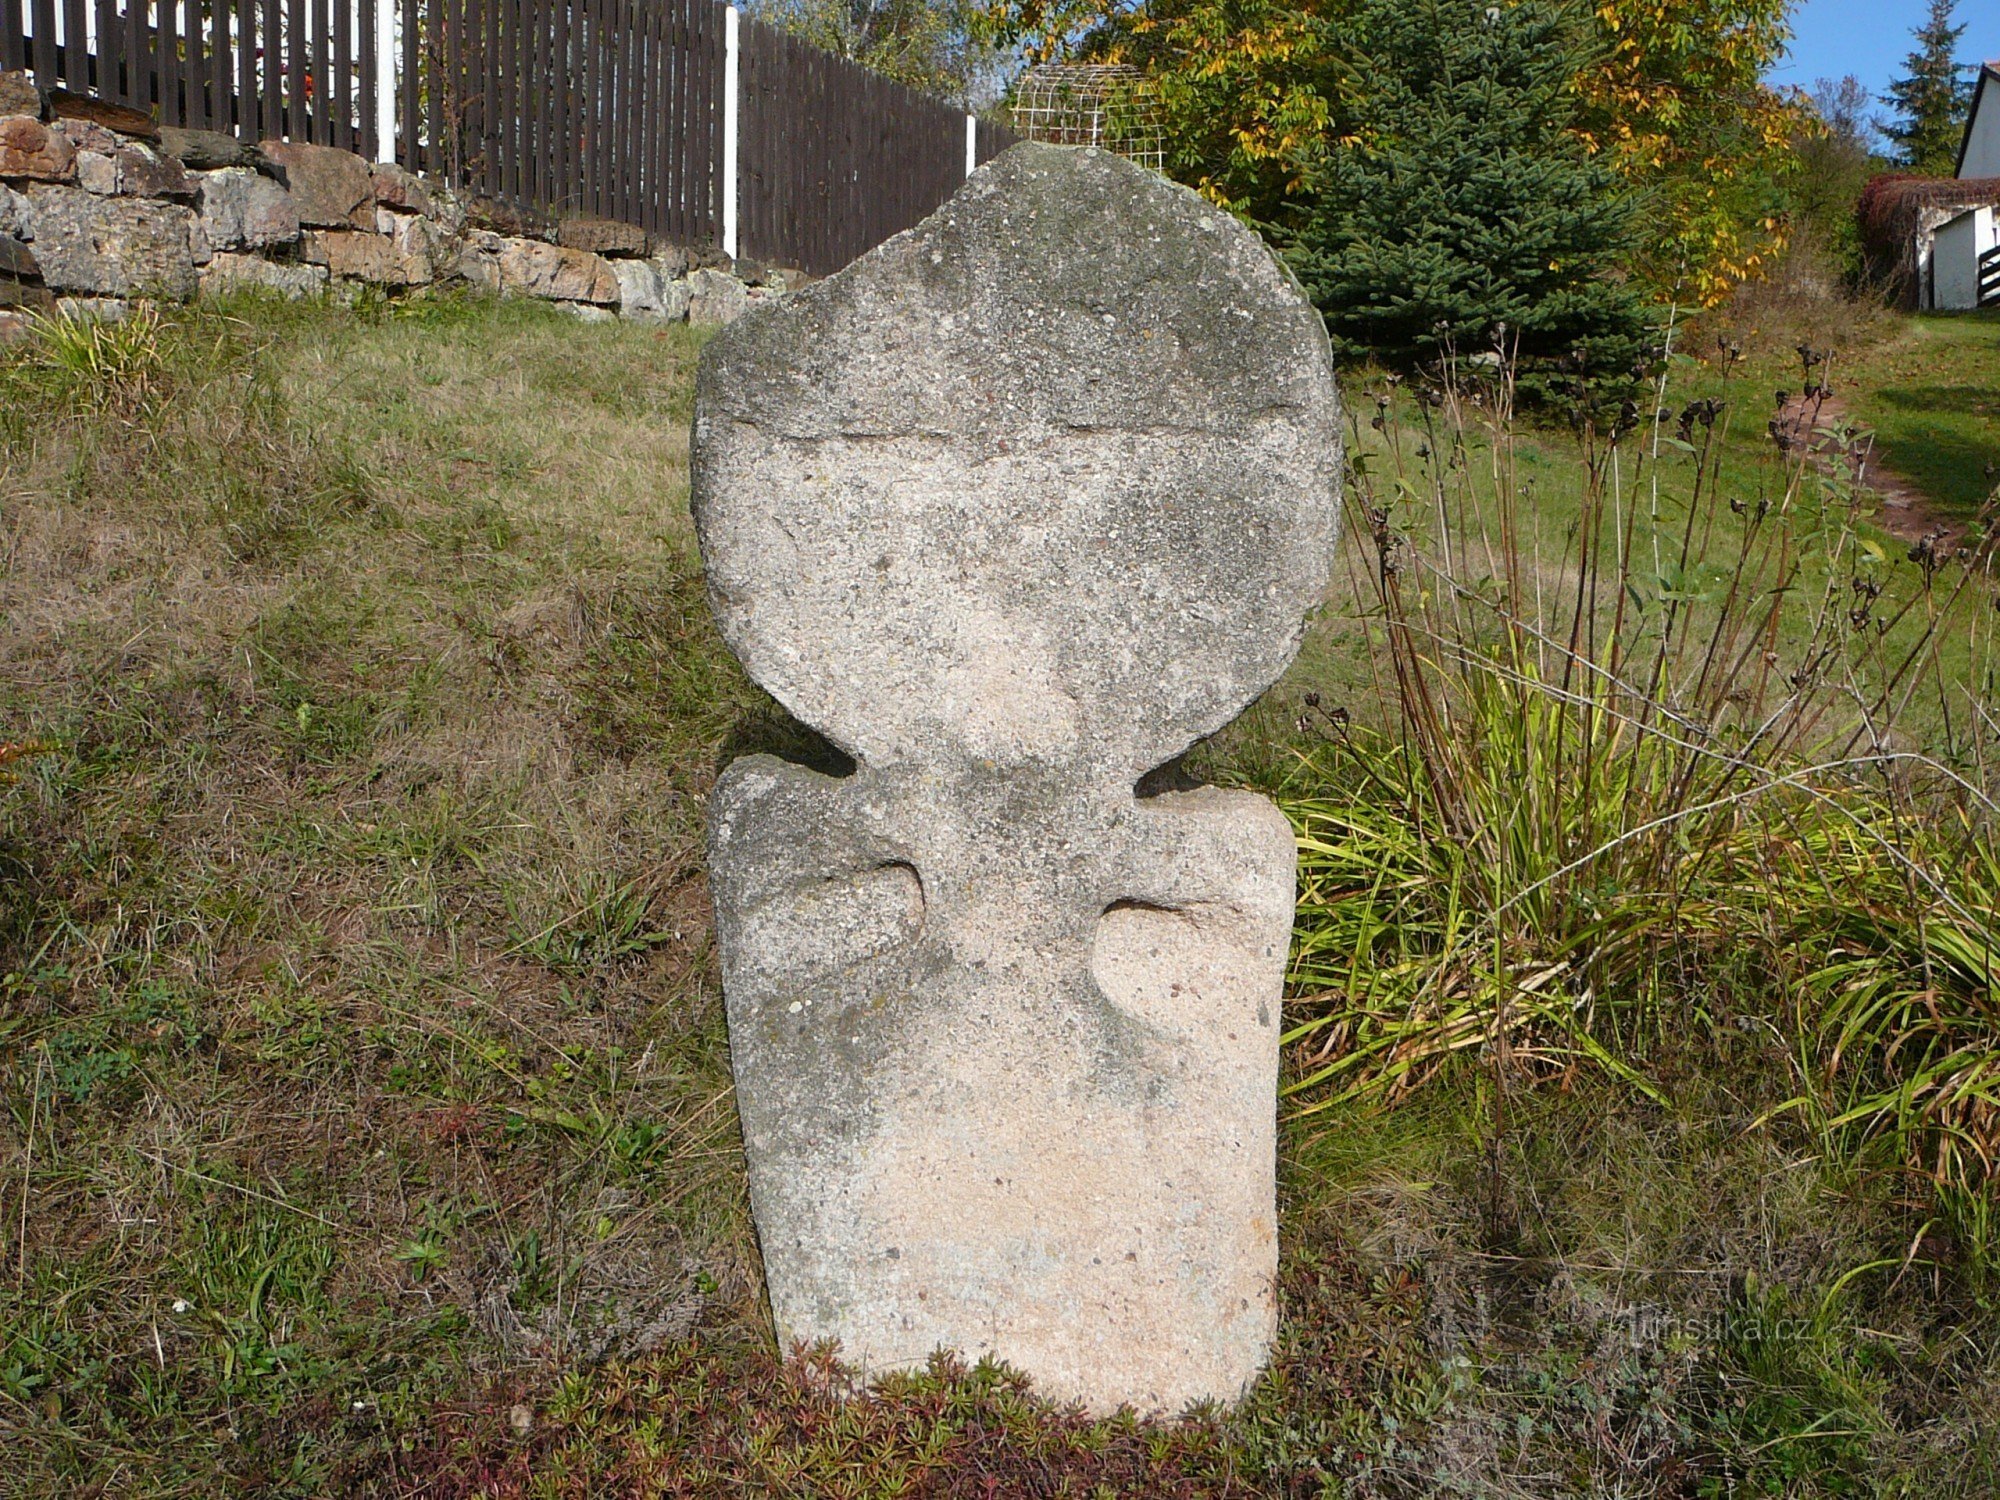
(358,980)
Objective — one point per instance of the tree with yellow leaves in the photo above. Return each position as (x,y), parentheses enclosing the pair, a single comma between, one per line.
(1256,93)
(1677,105)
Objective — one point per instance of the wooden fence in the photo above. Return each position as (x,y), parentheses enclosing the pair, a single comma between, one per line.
(677,115)
(606,107)
(254,68)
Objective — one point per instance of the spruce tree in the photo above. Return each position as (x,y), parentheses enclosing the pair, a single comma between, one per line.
(1464,202)
(1931,100)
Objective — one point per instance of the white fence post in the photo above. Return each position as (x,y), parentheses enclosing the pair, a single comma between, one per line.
(385,80)
(732,58)
(971,144)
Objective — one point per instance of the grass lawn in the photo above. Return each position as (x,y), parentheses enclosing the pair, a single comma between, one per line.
(1931,393)
(367,1120)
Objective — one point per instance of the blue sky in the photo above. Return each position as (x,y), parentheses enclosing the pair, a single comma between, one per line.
(1870,38)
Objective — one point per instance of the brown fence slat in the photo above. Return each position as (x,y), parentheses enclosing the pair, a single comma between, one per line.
(243,53)
(296,124)
(270,65)
(45,43)
(140,69)
(195,67)
(13,35)
(366,84)
(221,67)
(75,67)
(449,156)
(340,85)
(104,77)
(169,60)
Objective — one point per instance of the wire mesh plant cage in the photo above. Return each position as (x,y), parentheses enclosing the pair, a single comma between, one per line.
(1092,104)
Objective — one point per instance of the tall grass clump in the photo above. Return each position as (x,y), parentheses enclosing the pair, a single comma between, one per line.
(1665,745)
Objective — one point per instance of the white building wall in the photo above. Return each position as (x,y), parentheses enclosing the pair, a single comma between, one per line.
(1982,146)
(1955,256)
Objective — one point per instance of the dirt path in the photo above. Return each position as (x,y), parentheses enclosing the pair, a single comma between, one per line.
(1907,512)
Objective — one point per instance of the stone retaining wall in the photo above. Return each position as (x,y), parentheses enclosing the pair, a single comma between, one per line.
(99,204)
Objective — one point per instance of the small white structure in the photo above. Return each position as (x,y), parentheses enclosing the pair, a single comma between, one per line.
(1964,270)
(1965,261)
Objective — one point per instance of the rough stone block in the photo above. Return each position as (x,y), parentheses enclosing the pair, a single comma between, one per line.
(31,150)
(602,236)
(425,247)
(229,272)
(18,94)
(94,309)
(117,118)
(330,189)
(479,259)
(113,246)
(15,327)
(16,217)
(538,270)
(146,173)
(206,150)
(508,219)
(1014,509)
(671,259)
(96,172)
(358,255)
(715,297)
(26,297)
(16,259)
(645,291)
(244,209)
(398,188)
(87,135)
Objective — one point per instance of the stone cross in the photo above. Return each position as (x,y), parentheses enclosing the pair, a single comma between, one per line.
(1014,510)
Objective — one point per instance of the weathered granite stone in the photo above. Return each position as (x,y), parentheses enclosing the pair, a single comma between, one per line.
(229,272)
(16,217)
(26,296)
(715,297)
(330,188)
(30,149)
(539,270)
(119,118)
(511,219)
(671,259)
(15,327)
(113,246)
(1014,509)
(16,259)
(87,135)
(645,290)
(241,208)
(96,172)
(602,236)
(94,309)
(479,259)
(206,150)
(18,94)
(426,249)
(399,188)
(357,255)
(148,174)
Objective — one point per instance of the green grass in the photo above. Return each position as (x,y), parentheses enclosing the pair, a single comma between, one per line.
(368,1126)
(1931,394)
